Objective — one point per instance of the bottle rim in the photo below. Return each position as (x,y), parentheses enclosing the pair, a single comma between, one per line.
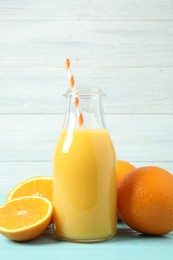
(84,92)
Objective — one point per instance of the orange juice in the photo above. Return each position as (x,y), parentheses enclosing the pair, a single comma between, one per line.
(84,185)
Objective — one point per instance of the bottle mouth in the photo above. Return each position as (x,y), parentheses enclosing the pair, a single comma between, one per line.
(84,92)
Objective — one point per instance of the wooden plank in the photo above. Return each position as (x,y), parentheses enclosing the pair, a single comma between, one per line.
(145,138)
(86,10)
(129,90)
(99,43)
(14,172)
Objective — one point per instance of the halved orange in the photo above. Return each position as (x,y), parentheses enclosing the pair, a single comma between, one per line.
(35,186)
(25,218)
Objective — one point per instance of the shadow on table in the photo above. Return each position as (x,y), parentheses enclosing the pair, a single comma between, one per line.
(124,233)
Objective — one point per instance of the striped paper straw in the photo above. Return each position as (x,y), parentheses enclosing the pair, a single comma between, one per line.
(76,98)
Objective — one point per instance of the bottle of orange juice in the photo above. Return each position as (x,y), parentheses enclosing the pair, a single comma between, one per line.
(84,178)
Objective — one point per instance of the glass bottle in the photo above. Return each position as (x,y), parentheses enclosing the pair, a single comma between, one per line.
(84,173)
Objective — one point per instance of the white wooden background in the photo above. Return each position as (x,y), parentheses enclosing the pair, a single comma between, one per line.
(122,46)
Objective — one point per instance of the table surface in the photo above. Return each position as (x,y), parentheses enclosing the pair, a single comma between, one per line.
(127,244)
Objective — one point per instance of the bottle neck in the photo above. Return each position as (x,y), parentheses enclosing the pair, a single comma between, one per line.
(90,106)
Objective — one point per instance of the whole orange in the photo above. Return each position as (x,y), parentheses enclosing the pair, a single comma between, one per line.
(123,168)
(145,200)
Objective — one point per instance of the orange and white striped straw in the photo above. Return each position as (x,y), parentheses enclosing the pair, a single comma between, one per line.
(76,98)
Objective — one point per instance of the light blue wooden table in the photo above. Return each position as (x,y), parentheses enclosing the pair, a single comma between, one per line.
(127,244)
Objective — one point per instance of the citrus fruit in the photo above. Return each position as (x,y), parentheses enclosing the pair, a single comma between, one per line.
(25,218)
(145,200)
(123,168)
(35,186)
